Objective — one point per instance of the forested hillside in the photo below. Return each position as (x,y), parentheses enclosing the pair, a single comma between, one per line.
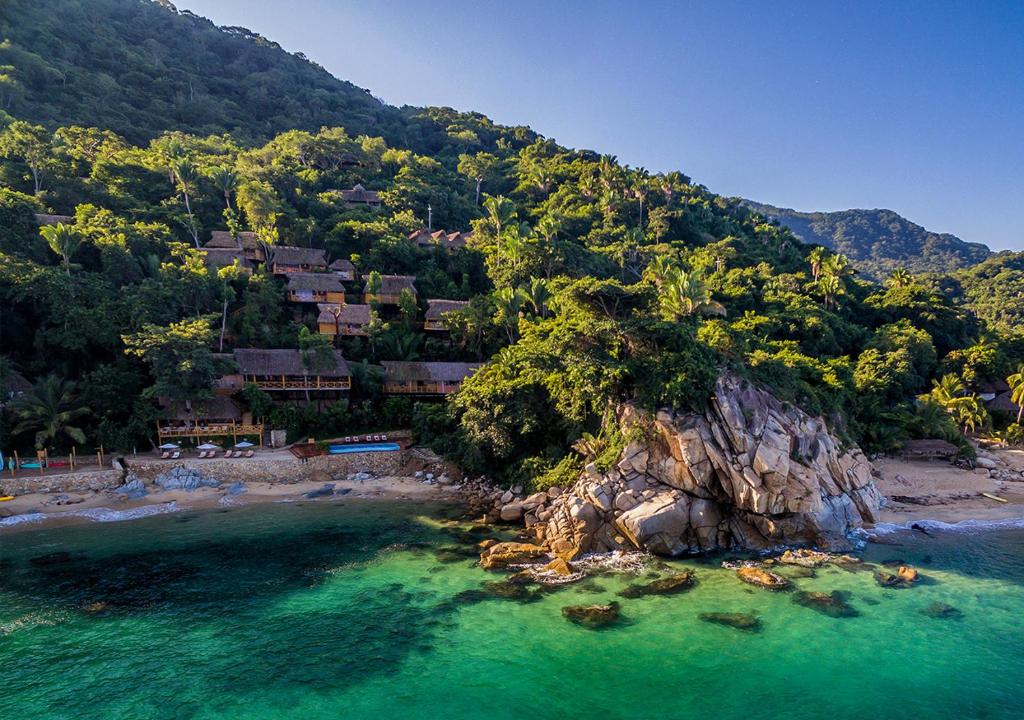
(577,282)
(878,241)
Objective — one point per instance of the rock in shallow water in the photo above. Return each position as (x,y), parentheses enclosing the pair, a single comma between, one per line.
(832,604)
(592,616)
(741,621)
(510,553)
(679,582)
(942,611)
(762,578)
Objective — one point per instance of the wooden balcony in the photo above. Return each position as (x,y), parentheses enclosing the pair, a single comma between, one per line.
(330,330)
(201,429)
(287,382)
(380,299)
(434,326)
(336,298)
(421,388)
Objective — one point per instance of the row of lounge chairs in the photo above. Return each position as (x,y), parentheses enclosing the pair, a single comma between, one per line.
(365,438)
(209,454)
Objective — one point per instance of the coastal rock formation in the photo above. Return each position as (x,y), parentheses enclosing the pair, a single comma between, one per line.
(749,472)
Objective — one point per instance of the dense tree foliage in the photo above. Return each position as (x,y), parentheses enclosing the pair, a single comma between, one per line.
(589,282)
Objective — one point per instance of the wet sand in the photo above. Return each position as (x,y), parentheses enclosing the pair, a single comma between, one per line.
(43,509)
(936,490)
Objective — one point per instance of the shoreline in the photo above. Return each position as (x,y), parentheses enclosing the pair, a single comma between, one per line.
(36,510)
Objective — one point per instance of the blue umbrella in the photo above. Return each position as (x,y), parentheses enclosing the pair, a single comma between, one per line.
(168,446)
(245,444)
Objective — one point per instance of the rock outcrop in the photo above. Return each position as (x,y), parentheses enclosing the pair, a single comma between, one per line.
(750,472)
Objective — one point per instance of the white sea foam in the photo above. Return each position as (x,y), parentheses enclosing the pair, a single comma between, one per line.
(964,526)
(24,518)
(110,515)
(101,514)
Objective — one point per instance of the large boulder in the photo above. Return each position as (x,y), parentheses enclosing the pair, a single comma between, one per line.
(748,472)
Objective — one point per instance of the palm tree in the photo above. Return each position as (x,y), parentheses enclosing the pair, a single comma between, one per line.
(186,176)
(64,241)
(948,390)
(900,278)
(639,189)
(49,410)
(509,303)
(685,294)
(225,180)
(831,287)
(1016,383)
(538,295)
(500,212)
(969,412)
(817,258)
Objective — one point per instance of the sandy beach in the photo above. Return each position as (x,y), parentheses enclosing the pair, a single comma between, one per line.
(80,507)
(937,490)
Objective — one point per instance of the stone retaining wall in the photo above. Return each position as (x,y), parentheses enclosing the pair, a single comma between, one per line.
(281,470)
(64,483)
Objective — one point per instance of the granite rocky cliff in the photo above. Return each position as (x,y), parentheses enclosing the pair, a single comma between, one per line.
(749,472)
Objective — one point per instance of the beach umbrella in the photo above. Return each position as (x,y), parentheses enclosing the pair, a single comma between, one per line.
(245,444)
(168,446)
(208,446)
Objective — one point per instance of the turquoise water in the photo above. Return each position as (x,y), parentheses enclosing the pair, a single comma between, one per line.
(372,447)
(354,611)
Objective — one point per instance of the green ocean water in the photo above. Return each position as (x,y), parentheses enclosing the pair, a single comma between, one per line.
(354,611)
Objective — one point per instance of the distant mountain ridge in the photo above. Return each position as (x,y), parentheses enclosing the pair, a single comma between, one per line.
(878,241)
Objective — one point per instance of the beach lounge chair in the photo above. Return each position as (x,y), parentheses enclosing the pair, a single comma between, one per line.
(384,438)
(176,455)
(236,454)
(202,454)
(250,453)
(165,455)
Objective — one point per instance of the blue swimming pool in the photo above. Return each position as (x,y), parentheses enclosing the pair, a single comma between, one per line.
(364,447)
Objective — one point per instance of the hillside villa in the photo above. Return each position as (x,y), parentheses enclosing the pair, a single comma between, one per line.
(436,310)
(425,378)
(343,319)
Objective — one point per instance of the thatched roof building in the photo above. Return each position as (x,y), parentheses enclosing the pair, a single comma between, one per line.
(216,409)
(436,311)
(274,363)
(216,258)
(343,269)
(439,238)
(286,259)
(314,282)
(425,378)
(359,195)
(1003,403)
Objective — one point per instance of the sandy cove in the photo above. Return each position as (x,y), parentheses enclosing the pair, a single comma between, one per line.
(936,490)
(270,477)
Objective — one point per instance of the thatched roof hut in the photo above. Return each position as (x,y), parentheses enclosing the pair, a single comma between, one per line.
(359,195)
(395,284)
(300,282)
(1003,403)
(447,372)
(216,258)
(273,363)
(217,408)
(350,315)
(286,258)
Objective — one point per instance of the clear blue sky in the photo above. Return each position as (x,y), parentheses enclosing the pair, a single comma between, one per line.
(914,106)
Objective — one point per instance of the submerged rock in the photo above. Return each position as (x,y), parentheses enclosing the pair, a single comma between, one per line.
(832,604)
(679,582)
(805,558)
(942,611)
(762,578)
(506,590)
(592,616)
(741,621)
(905,577)
(325,491)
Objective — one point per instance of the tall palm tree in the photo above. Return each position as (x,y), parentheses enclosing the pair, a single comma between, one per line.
(50,410)
(64,241)
(509,304)
(186,176)
(817,258)
(500,212)
(1016,383)
(226,181)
